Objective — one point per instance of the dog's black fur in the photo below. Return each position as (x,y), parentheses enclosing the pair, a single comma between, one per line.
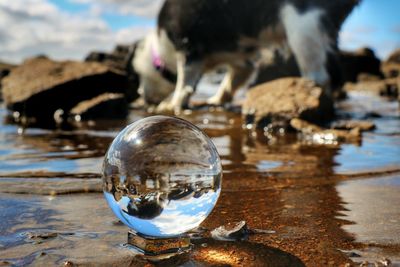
(201,29)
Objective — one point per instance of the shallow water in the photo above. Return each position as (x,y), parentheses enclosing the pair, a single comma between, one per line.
(326,203)
(373,207)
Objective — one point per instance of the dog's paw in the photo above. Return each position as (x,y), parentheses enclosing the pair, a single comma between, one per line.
(168,107)
(219,100)
(214,101)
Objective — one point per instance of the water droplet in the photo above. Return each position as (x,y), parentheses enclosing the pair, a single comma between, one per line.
(162,176)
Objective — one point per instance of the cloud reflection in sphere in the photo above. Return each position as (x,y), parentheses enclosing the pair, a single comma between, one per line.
(162,176)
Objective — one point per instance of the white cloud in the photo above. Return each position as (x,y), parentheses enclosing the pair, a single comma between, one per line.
(31,27)
(129,35)
(147,8)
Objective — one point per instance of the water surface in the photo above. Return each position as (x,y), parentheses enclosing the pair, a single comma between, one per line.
(322,201)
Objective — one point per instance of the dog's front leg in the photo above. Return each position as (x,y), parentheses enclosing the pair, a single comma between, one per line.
(309,43)
(224,93)
(236,77)
(188,75)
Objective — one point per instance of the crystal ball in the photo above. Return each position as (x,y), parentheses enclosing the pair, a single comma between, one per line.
(162,176)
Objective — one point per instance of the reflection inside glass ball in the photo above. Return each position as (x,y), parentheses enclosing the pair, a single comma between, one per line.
(162,176)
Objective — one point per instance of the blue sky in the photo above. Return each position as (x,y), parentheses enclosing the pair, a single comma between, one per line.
(114,19)
(374,23)
(69,29)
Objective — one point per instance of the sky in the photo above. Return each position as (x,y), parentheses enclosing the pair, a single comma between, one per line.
(70,29)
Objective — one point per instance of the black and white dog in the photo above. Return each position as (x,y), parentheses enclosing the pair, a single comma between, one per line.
(195,36)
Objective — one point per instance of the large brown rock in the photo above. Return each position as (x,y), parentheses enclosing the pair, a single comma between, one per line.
(120,59)
(40,86)
(279,101)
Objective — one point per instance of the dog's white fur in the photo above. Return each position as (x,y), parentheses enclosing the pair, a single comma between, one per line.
(152,85)
(308,43)
(301,32)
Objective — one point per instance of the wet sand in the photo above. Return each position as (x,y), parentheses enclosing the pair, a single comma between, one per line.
(328,205)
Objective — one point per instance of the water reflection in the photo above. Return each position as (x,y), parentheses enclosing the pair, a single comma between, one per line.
(376,153)
(80,151)
(379,150)
(49,152)
(372,205)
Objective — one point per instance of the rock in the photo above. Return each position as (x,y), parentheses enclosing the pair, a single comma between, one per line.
(238,231)
(360,61)
(352,124)
(352,254)
(391,88)
(41,86)
(320,135)
(5,69)
(398,89)
(394,57)
(386,87)
(5,263)
(118,58)
(391,66)
(68,264)
(391,70)
(366,77)
(41,235)
(104,106)
(281,100)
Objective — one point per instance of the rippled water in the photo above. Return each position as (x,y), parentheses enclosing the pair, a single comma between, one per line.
(305,192)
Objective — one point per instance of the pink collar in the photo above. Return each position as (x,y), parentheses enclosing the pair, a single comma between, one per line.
(158,63)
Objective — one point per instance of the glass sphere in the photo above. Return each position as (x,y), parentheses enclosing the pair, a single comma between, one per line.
(162,176)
